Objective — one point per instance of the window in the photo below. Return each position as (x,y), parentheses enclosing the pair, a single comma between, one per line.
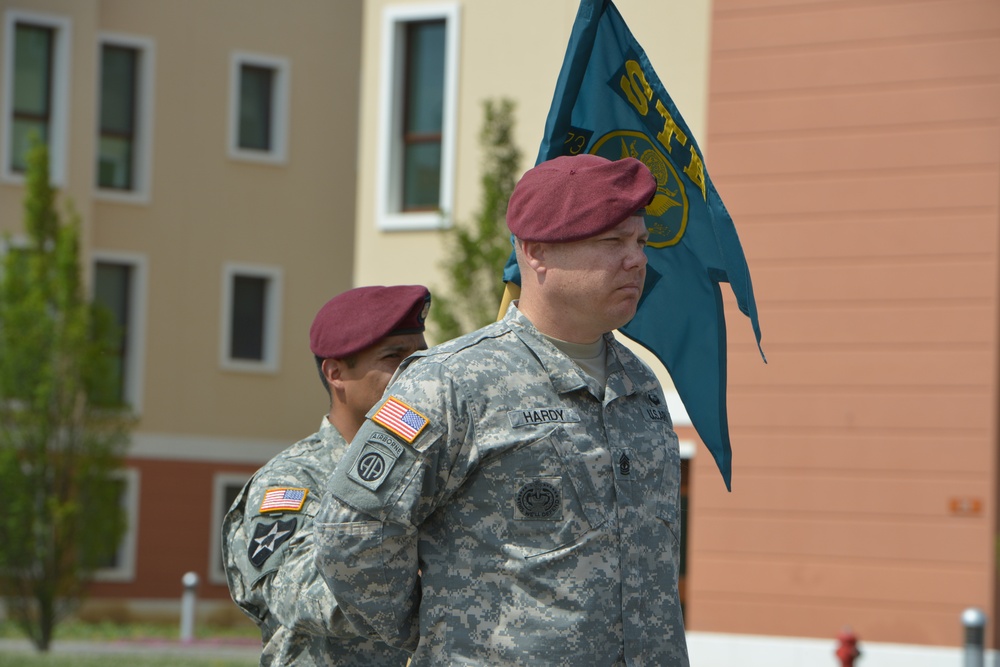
(252,316)
(124,127)
(112,283)
(35,95)
(120,566)
(226,486)
(32,89)
(258,107)
(120,285)
(249,306)
(423,115)
(117,118)
(416,134)
(256,84)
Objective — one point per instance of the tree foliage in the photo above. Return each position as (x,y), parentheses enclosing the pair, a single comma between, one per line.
(475,254)
(61,438)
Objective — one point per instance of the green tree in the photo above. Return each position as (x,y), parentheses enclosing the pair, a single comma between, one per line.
(475,254)
(61,440)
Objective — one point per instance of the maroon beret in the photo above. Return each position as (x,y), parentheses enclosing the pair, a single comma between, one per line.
(359,318)
(574,197)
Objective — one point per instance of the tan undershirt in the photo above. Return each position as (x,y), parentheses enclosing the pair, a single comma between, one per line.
(591,357)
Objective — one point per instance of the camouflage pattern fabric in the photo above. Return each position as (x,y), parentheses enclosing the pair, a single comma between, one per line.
(494,510)
(270,565)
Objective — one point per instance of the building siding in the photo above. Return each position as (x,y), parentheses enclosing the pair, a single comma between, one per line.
(856,144)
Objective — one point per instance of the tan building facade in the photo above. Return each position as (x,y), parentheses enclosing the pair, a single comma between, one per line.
(209,149)
(857,146)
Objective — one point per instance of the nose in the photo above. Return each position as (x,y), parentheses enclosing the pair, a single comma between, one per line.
(636,258)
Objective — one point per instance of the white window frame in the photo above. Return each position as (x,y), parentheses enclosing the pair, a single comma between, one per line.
(124,571)
(272,317)
(59,130)
(142,181)
(135,355)
(216,572)
(389,217)
(280,103)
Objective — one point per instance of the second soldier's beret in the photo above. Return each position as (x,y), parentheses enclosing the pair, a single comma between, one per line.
(574,197)
(359,318)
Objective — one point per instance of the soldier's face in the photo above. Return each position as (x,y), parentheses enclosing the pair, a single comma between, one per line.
(598,281)
(365,382)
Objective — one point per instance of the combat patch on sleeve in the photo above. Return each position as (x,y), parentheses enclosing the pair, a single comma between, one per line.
(267,537)
(376,459)
(401,419)
(283,499)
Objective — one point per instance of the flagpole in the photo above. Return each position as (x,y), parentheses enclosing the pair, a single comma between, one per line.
(511,291)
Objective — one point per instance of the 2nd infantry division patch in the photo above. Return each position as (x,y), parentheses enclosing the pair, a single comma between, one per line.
(267,537)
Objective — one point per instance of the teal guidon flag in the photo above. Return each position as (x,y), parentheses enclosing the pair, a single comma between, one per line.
(608,101)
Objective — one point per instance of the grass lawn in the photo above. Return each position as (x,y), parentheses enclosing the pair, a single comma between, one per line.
(106,644)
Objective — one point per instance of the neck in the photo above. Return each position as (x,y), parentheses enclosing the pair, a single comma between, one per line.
(347,425)
(555,324)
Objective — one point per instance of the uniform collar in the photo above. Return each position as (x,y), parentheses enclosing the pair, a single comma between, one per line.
(563,372)
(328,432)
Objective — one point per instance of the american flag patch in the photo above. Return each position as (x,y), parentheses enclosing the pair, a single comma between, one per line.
(283,499)
(401,419)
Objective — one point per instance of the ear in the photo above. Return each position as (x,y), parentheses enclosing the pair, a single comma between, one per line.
(332,372)
(533,253)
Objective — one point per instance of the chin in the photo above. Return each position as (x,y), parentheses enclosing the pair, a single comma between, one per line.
(627,311)
(617,313)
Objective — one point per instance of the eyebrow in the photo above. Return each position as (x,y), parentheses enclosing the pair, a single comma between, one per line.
(621,234)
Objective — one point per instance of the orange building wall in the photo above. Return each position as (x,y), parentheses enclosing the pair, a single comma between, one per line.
(175,526)
(857,145)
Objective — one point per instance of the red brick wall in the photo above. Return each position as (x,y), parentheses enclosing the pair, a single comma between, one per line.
(175,526)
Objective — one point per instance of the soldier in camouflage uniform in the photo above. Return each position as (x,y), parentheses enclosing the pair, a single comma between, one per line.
(358,339)
(514,497)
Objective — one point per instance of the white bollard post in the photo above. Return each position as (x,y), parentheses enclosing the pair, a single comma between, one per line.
(974,621)
(188,598)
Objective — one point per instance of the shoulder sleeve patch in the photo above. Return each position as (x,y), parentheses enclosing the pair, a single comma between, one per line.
(283,499)
(401,419)
(267,537)
(376,460)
